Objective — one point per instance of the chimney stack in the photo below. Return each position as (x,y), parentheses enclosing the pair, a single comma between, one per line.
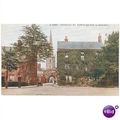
(100,38)
(66,39)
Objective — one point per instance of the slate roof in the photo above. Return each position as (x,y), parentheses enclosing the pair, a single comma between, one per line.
(78,45)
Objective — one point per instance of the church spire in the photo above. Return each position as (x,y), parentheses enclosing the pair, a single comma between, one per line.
(50,37)
(50,62)
(50,40)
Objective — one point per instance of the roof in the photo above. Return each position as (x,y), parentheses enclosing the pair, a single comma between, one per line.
(79,45)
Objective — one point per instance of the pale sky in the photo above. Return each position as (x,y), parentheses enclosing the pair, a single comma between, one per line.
(75,32)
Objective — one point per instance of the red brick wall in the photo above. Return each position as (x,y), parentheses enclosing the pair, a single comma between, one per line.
(27,72)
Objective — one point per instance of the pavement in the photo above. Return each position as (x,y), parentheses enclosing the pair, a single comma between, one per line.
(51,89)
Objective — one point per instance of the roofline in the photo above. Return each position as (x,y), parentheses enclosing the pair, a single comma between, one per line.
(80,41)
(77,49)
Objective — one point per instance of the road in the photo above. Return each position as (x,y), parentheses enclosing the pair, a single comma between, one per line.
(61,90)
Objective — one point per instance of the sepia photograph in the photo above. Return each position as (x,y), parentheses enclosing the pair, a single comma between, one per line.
(60,59)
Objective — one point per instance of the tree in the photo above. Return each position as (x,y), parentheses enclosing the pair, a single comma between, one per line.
(33,46)
(108,58)
(110,55)
(9,61)
(74,65)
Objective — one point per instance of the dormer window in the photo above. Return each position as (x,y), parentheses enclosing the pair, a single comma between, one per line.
(82,58)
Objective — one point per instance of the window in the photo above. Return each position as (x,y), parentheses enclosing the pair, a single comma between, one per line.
(82,53)
(82,58)
(50,60)
(77,67)
(67,66)
(66,55)
(86,69)
(96,53)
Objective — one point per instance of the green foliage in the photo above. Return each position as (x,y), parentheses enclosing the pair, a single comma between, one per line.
(101,65)
(9,59)
(77,67)
(33,44)
(108,59)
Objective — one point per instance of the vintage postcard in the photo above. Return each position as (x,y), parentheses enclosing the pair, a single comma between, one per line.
(60,59)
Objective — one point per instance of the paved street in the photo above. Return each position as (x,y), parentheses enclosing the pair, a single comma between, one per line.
(60,90)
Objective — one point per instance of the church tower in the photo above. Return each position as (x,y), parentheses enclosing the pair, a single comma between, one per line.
(99,38)
(50,62)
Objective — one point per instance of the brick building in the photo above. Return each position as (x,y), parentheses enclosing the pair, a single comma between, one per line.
(26,73)
(31,72)
(74,59)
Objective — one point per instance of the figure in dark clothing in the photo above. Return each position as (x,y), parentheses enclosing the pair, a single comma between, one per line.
(19,82)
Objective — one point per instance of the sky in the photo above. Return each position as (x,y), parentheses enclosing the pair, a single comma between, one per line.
(75,32)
